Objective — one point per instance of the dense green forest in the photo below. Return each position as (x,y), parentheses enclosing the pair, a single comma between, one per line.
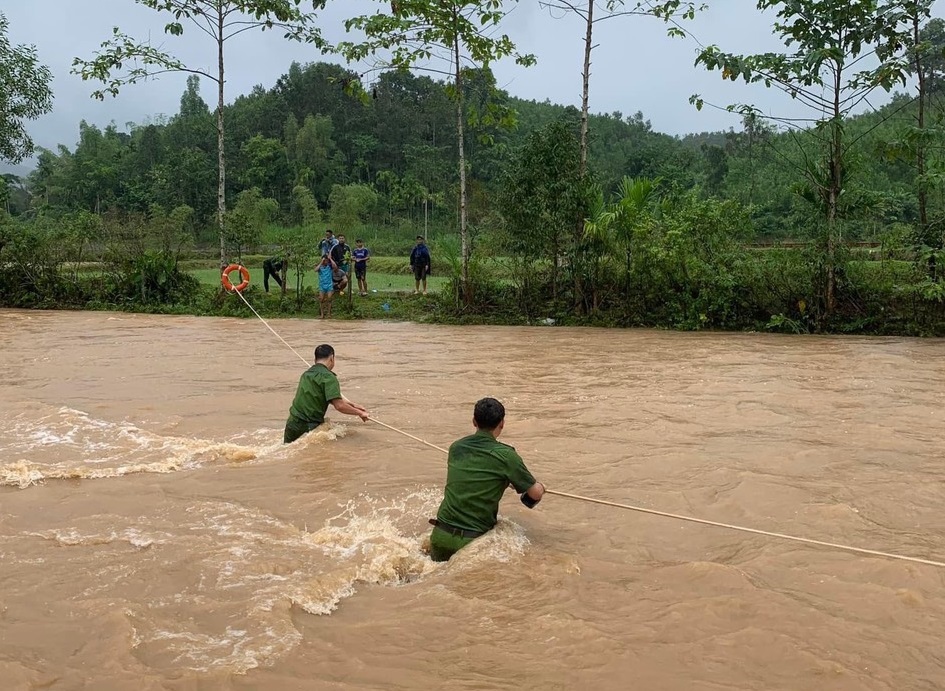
(307,131)
(728,229)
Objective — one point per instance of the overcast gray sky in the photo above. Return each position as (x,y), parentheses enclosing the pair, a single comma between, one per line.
(636,67)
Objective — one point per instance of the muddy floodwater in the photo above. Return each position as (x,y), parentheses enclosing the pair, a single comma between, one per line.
(156,534)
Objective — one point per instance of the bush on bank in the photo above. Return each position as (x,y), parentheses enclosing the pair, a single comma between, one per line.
(689,271)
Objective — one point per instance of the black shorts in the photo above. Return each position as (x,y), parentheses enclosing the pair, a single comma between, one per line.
(420,272)
(360,270)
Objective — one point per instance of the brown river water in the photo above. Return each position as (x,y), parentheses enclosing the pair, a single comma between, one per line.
(156,534)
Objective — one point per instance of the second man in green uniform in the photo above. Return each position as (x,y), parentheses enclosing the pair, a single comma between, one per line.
(318,388)
(479,469)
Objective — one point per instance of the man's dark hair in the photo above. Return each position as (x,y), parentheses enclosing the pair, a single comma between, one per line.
(324,351)
(329,231)
(488,414)
(420,237)
(359,240)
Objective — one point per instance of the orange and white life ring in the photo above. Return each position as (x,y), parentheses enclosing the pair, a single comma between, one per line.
(244,274)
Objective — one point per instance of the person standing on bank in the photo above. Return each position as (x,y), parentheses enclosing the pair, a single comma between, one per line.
(420,264)
(318,387)
(327,243)
(361,256)
(479,468)
(341,254)
(272,267)
(327,286)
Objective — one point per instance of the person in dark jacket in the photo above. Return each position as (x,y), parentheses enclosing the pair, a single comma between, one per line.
(420,264)
(272,267)
(341,254)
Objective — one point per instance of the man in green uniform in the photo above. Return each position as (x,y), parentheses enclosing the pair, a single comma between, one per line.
(479,469)
(318,387)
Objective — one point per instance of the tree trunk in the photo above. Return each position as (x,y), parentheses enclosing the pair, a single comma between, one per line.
(463,231)
(834,189)
(751,164)
(588,46)
(221,153)
(831,277)
(582,169)
(922,192)
(556,252)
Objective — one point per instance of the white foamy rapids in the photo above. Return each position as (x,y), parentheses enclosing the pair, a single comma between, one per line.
(73,537)
(70,444)
(254,568)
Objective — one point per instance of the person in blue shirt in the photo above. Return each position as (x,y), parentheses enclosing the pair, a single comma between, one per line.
(331,279)
(328,243)
(420,264)
(361,256)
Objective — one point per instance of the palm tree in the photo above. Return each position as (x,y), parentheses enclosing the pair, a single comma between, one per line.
(610,229)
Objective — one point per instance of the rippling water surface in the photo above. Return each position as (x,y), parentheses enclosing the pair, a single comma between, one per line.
(156,534)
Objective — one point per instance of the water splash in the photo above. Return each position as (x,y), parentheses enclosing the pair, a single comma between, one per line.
(254,569)
(70,444)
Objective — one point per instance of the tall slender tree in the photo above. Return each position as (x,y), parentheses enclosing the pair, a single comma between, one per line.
(912,17)
(593,12)
(841,52)
(123,60)
(423,34)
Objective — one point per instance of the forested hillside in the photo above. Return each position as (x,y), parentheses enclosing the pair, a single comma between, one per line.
(655,229)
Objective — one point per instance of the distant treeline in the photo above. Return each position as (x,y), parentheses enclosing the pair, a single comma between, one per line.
(308,130)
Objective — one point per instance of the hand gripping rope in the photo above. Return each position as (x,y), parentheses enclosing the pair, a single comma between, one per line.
(640,509)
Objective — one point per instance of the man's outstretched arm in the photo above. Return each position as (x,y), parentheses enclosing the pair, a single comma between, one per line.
(349,408)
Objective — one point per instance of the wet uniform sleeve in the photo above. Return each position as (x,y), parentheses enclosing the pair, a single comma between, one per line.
(332,389)
(518,474)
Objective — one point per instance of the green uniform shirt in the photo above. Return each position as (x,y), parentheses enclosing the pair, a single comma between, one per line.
(318,386)
(479,469)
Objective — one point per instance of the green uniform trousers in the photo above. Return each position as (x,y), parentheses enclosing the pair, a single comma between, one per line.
(296,428)
(444,545)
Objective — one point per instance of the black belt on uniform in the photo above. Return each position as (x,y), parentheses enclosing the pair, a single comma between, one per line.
(446,528)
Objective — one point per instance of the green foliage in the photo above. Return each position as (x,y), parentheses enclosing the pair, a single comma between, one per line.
(24,95)
(671,228)
(686,266)
(479,291)
(542,197)
(174,231)
(150,278)
(350,205)
(245,223)
(825,70)
(265,166)
(304,207)
(122,60)
(415,29)
(315,158)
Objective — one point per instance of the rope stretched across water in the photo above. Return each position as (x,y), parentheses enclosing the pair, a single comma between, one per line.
(640,509)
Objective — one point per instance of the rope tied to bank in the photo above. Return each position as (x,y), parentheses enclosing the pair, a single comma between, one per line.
(640,509)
